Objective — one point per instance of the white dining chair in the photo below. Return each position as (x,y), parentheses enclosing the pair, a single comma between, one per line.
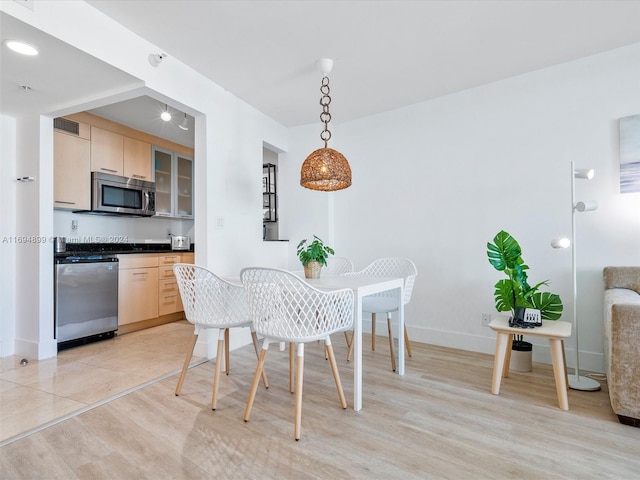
(285,308)
(387,302)
(337,266)
(211,302)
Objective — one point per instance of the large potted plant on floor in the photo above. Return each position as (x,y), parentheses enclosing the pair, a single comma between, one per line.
(313,256)
(514,294)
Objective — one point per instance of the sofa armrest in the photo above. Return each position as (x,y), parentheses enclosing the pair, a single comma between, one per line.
(624,367)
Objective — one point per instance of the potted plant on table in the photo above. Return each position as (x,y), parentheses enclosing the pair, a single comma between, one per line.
(514,294)
(313,256)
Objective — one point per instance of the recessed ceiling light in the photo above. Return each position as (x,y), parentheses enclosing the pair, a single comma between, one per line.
(21,47)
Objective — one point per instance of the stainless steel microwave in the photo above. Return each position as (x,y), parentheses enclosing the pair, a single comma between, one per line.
(116,195)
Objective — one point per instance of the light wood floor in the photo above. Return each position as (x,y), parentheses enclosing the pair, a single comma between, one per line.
(438,421)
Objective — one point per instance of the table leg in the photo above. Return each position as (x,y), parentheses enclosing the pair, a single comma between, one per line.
(401,332)
(559,372)
(357,357)
(498,361)
(507,357)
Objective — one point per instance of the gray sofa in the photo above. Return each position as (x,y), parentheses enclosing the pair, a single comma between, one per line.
(622,341)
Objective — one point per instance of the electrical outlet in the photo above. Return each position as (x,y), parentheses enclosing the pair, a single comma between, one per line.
(486,319)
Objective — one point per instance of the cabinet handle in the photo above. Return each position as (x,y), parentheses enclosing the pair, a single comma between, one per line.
(141,273)
(66,203)
(108,170)
(139,176)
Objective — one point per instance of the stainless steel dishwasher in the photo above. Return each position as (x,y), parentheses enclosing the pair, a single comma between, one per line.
(86,299)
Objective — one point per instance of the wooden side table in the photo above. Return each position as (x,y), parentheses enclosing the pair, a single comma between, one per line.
(555,331)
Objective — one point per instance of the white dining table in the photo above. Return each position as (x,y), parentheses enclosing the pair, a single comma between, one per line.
(361,287)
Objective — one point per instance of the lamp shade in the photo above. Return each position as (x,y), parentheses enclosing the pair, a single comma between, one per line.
(586,173)
(325,169)
(562,242)
(588,206)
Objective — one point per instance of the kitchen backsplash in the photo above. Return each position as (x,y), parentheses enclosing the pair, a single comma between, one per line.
(85,228)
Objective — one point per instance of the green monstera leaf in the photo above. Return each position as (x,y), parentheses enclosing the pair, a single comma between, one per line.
(549,304)
(505,252)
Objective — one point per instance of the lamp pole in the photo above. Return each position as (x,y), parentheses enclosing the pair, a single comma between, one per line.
(577,382)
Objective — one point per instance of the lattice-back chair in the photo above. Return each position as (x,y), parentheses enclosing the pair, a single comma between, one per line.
(387,302)
(337,266)
(285,308)
(211,302)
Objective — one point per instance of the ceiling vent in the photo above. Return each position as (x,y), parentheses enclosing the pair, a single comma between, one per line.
(66,125)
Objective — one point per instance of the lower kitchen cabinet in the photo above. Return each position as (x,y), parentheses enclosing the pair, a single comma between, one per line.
(148,292)
(137,288)
(168,291)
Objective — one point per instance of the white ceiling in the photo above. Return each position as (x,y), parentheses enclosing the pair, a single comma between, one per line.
(387,54)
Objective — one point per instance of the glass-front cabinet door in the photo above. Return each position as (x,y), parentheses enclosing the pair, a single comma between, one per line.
(174,184)
(163,162)
(184,187)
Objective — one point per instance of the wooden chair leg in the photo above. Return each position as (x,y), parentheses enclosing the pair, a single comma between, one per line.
(373,331)
(291,369)
(350,351)
(216,375)
(254,337)
(336,375)
(254,384)
(185,365)
(407,342)
(347,339)
(299,377)
(393,357)
(226,351)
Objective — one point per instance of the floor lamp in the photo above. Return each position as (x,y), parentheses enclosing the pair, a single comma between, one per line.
(576,381)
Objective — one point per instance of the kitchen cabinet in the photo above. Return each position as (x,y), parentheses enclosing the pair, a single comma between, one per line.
(119,155)
(137,159)
(71,171)
(137,288)
(168,292)
(173,175)
(106,151)
(148,289)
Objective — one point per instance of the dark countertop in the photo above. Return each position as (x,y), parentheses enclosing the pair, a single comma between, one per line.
(79,249)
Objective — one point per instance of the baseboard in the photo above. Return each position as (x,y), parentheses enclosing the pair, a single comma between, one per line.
(36,350)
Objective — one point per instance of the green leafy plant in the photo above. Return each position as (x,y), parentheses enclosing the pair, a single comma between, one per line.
(315,251)
(514,291)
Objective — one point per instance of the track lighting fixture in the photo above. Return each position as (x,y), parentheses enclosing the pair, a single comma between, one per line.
(184,125)
(166,116)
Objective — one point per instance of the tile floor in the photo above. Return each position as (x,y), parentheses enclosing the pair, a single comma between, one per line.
(43,392)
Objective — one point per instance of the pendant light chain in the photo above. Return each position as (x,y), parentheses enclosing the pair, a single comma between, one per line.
(325,116)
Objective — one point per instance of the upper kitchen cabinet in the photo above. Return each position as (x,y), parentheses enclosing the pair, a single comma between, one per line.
(120,155)
(107,151)
(72,160)
(173,175)
(137,159)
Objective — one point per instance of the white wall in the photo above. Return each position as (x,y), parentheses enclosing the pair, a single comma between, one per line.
(229,137)
(436,181)
(8,245)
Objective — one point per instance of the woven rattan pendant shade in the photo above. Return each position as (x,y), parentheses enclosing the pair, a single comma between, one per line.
(325,169)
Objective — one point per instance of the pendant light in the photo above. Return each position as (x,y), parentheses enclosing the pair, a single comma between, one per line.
(325,169)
